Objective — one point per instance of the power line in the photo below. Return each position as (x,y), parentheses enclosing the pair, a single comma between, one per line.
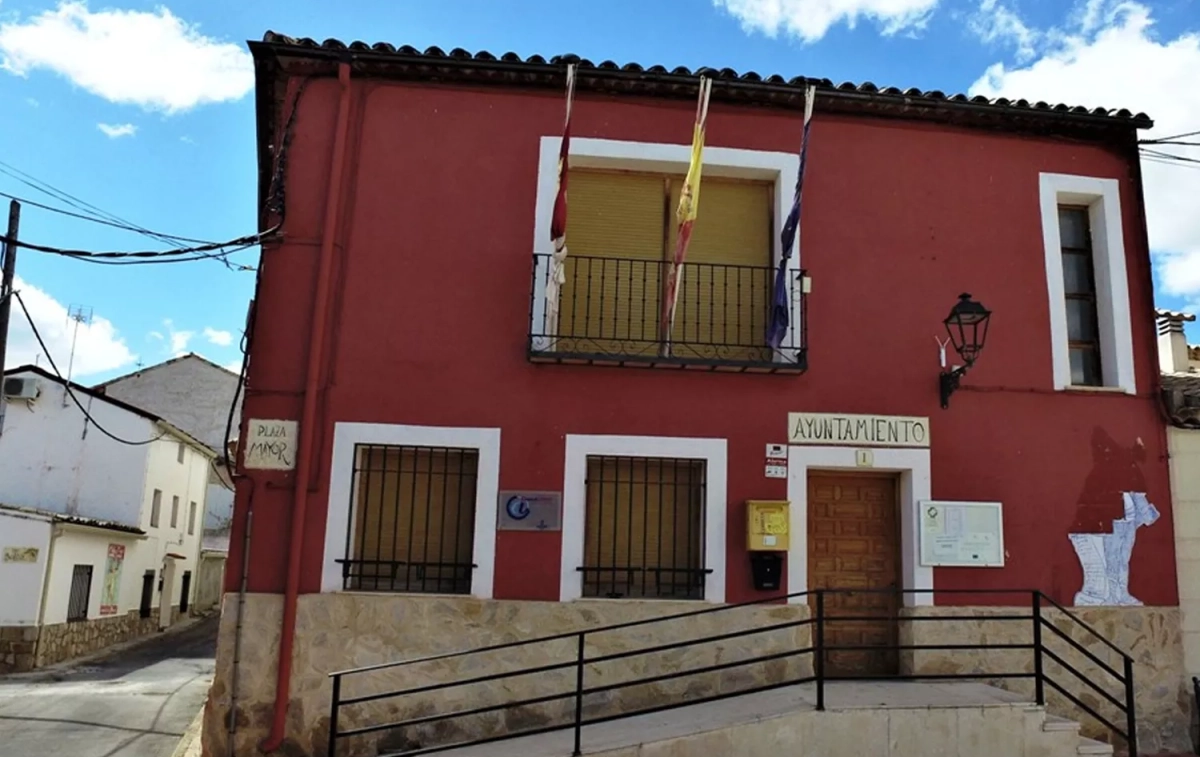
(93,219)
(1169,156)
(240,243)
(67,384)
(1160,140)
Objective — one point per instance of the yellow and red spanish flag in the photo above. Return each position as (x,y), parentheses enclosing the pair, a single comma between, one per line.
(685,214)
(558,218)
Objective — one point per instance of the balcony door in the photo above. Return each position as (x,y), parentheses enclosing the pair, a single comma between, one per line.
(621,235)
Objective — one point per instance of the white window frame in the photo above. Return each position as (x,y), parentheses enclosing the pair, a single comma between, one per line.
(714,453)
(1102,198)
(781,168)
(347,437)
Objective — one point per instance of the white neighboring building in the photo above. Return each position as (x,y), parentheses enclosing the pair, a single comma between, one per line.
(193,394)
(100,539)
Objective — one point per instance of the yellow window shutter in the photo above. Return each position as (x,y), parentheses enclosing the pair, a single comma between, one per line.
(614,267)
(725,304)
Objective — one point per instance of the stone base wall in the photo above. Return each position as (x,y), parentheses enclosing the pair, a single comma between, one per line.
(1151,635)
(17,647)
(65,641)
(340,631)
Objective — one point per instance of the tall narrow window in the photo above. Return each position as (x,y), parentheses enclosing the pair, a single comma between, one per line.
(644,530)
(175,512)
(1079,288)
(179,453)
(81,590)
(156,508)
(413,522)
(191,519)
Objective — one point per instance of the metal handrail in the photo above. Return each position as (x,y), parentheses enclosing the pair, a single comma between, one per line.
(818,649)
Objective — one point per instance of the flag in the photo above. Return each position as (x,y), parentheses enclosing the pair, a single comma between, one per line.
(685,214)
(558,218)
(777,324)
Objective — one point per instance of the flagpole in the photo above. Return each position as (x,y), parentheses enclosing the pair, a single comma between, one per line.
(558,218)
(689,203)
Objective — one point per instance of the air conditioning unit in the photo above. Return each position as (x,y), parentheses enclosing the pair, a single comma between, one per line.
(20,389)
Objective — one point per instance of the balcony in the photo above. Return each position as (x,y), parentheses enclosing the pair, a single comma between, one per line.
(609,311)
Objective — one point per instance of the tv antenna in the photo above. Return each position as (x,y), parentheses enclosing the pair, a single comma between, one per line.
(81,314)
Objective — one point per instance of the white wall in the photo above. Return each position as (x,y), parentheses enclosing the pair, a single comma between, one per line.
(86,546)
(21,582)
(47,461)
(189,481)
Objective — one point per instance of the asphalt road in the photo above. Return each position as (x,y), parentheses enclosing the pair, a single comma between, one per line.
(133,703)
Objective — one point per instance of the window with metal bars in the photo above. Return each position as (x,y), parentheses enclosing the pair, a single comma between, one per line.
(81,590)
(1079,287)
(412,526)
(644,533)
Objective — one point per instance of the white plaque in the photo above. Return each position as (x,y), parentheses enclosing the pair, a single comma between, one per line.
(858,430)
(776,451)
(962,534)
(776,471)
(270,445)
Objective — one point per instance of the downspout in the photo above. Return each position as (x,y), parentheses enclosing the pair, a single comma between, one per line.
(308,431)
(55,532)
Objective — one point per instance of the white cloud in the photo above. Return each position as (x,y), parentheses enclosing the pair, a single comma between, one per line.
(113,131)
(188,140)
(1101,57)
(219,338)
(995,22)
(234,366)
(33,102)
(151,59)
(177,341)
(809,20)
(98,347)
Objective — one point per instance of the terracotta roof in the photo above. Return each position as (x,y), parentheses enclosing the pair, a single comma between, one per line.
(435,64)
(76,520)
(1181,392)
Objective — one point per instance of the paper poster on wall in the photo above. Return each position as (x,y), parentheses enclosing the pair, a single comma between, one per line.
(110,593)
(1105,557)
(962,534)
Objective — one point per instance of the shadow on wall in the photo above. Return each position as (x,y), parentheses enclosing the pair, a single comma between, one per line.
(1111,507)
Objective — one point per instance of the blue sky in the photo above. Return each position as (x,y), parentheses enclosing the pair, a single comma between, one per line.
(144,109)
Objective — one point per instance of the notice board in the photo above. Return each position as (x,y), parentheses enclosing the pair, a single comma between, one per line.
(962,534)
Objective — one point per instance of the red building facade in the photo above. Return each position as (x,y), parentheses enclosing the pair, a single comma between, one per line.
(394,308)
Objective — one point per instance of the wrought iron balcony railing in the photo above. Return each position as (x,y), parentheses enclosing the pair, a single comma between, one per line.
(609,312)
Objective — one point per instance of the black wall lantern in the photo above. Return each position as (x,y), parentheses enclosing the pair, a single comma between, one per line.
(967,326)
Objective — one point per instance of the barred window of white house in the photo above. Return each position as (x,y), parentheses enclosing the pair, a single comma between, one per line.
(412,524)
(644,534)
(81,590)
(156,508)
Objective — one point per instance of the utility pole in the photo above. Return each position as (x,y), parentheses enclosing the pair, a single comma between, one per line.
(8,266)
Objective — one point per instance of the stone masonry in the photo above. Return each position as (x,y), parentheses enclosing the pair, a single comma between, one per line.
(24,648)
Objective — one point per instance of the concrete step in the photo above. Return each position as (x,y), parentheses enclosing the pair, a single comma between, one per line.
(1092,748)
(1053,723)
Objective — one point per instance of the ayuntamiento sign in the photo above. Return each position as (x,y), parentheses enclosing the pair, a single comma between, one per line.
(859,430)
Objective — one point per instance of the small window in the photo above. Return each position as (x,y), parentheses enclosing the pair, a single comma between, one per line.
(1079,288)
(174,512)
(644,529)
(413,522)
(191,519)
(180,452)
(156,508)
(81,589)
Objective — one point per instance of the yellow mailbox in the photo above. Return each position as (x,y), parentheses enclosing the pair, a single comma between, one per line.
(767,525)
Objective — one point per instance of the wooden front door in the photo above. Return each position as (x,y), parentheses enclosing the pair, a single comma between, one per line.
(853,543)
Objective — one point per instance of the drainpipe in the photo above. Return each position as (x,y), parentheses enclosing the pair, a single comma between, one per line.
(55,532)
(308,417)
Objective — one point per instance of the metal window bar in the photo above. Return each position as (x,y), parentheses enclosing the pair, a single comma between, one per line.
(581,660)
(610,307)
(644,528)
(81,589)
(412,520)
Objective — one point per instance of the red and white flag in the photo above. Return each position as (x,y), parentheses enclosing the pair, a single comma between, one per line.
(558,219)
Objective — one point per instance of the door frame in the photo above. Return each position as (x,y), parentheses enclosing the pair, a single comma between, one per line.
(915,485)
